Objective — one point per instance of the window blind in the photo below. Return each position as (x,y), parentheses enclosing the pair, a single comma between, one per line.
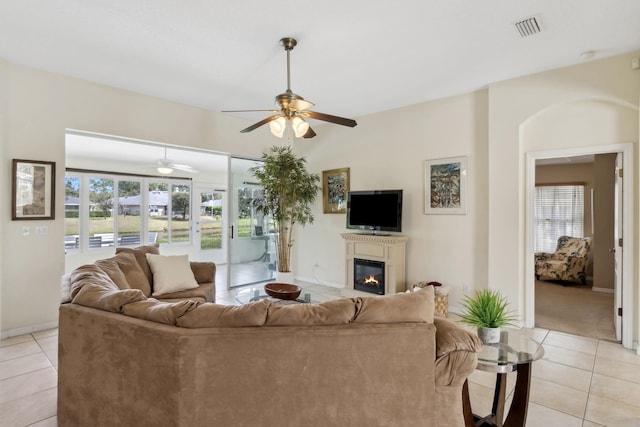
(559,211)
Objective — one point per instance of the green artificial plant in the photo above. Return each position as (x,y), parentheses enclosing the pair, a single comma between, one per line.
(486,309)
(290,190)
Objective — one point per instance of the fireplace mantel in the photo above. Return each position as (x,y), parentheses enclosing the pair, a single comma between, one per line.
(388,249)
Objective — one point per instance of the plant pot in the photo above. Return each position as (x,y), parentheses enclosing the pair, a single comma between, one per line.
(489,335)
(285,277)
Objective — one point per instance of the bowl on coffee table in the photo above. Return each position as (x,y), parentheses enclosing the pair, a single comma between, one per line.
(284,291)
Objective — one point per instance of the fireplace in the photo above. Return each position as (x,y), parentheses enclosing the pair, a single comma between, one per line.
(368,276)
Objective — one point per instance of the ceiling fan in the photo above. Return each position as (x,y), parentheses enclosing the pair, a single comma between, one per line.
(293,108)
(165,166)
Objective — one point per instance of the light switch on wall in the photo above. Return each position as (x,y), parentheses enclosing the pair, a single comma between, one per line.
(41,230)
(26,230)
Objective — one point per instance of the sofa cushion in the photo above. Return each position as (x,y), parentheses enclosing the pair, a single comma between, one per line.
(139,253)
(205,292)
(210,315)
(204,272)
(156,311)
(333,312)
(171,273)
(113,270)
(133,272)
(415,306)
(450,337)
(86,274)
(107,298)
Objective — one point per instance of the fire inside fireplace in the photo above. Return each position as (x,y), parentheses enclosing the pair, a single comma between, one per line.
(368,276)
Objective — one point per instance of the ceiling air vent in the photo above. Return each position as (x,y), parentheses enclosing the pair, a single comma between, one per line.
(528,27)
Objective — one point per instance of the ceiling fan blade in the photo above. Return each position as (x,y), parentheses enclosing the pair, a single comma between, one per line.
(184,168)
(310,133)
(260,123)
(329,118)
(300,104)
(248,111)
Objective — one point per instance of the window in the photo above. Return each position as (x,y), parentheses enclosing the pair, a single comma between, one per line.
(559,211)
(105,210)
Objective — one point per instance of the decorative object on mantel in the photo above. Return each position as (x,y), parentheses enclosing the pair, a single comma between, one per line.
(284,291)
(487,311)
(33,190)
(335,186)
(289,192)
(441,299)
(445,187)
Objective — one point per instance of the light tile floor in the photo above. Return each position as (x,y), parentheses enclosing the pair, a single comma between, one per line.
(579,382)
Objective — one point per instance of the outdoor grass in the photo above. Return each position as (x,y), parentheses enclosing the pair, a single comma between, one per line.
(130,224)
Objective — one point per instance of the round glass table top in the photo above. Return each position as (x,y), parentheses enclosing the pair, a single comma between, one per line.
(513,349)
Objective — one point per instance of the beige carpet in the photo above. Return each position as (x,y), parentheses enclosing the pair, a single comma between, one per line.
(574,309)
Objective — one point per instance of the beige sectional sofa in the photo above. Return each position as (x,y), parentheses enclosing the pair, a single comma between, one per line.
(129,360)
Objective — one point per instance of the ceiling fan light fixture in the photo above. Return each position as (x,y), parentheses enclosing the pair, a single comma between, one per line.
(278,126)
(300,127)
(164,170)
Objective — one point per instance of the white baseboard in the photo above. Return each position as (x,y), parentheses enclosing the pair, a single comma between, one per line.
(28,329)
(603,290)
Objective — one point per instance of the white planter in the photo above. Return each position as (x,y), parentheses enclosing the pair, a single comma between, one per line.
(489,335)
(285,277)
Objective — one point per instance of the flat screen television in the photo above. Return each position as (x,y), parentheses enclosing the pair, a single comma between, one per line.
(375,211)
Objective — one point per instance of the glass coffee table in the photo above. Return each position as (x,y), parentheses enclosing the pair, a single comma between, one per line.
(245,296)
(514,353)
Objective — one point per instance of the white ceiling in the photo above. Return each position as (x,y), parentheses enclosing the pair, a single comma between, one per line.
(353,57)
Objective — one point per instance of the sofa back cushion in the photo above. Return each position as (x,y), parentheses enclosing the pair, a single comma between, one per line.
(105,297)
(210,315)
(415,306)
(140,255)
(159,312)
(334,312)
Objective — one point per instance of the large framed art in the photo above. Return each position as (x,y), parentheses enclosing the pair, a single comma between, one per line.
(33,190)
(335,186)
(445,187)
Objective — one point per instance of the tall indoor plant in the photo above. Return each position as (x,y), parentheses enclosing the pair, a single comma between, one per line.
(488,311)
(290,190)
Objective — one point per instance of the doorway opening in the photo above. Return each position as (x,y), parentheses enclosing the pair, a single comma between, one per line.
(622,290)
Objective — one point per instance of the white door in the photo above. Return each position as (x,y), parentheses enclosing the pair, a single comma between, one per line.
(209,225)
(617,249)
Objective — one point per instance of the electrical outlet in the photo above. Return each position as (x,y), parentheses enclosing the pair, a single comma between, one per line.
(465,288)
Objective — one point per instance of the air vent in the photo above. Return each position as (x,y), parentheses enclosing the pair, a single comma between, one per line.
(528,27)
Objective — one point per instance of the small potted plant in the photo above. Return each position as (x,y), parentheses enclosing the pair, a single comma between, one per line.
(488,311)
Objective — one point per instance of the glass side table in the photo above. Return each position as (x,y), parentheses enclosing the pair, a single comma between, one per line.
(514,353)
(248,295)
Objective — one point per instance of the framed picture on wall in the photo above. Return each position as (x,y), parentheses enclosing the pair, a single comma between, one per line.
(335,186)
(445,186)
(33,190)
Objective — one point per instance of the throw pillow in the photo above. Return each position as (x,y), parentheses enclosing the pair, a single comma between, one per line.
(111,267)
(171,273)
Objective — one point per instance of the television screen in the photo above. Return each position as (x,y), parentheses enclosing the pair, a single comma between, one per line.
(377,210)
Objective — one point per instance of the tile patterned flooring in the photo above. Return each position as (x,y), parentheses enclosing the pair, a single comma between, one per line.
(579,382)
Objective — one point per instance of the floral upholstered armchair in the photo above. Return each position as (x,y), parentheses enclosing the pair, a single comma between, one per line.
(568,262)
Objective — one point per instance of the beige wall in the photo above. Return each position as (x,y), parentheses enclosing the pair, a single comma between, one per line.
(591,104)
(40,106)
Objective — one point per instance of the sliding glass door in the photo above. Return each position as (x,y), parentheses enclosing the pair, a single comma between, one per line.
(251,245)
